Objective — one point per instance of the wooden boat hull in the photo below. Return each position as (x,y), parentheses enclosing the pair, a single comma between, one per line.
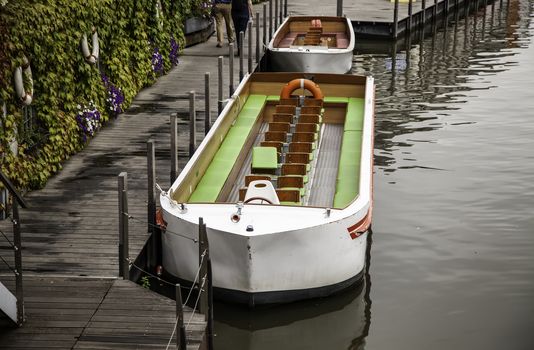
(274,253)
(310,59)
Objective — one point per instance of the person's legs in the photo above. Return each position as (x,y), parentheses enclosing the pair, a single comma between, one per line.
(226,10)
(219,24)
(240,24)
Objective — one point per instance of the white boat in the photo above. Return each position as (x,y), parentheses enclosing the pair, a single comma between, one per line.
(312,44)
(285,190)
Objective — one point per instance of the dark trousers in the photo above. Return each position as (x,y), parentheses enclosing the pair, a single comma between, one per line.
(240,25)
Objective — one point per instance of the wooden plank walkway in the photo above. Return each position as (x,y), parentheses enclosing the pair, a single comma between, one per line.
(91,313)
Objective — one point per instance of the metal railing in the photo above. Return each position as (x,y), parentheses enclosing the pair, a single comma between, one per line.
(16,243)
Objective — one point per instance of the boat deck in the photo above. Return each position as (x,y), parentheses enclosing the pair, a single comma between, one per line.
(323,182)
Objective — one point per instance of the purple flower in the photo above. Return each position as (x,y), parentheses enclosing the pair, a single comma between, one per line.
(173,55)
(157,62)
(115,96)
(89,120)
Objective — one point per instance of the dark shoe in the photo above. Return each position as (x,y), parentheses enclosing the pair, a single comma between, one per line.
(219,45)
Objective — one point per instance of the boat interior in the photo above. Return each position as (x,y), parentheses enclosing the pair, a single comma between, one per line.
(326,32)
(300,150)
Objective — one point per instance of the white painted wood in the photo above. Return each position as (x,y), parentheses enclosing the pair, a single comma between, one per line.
(8,303)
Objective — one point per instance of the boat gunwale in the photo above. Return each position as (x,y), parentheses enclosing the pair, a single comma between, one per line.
(368,83)
(349,29)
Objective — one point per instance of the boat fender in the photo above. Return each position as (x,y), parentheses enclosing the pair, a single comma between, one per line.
(160,221)
(302,84)
(25,97)
(90,57)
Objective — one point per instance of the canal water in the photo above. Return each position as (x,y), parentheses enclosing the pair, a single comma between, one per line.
(451,265)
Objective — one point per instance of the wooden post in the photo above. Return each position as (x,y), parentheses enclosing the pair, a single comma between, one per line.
(207,107)
(339,8)
(270,19)
(231,69)
(203,256)
(285,8)
(281,12)
(17,246)
(435,12)
(423,9)
(174,147)
(457,12)
(249,57)
(220,87)
(264,41)
(151,187)
(181,341)
(240,50)
(275,15)
(257,37)
(410,8)
(123,226)
(395,18)
(192,124)
(210,306)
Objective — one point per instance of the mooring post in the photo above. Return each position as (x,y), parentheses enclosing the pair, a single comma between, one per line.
(241,53)
(395,18)
(339,8)
(249,57)
(423,11)
(410,8)
(264,41)
(17,247)
(151,187)
(192,124)
(275,15)
(210,306)
(220,87)
(231,69)
(123,226)
(257,37)
(181,341)
(207,105)
(203,256)
(270,19)
(281,13)
(435,12)
(174,147)
(285,8)
(457,12)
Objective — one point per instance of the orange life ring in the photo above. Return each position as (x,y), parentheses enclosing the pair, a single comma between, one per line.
(301,84)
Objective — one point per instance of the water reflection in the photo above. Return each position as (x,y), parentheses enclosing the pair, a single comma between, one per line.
(338,322)
(433,69)
(439,231)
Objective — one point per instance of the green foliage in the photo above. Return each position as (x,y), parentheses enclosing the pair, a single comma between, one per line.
(48,33)
(145,282)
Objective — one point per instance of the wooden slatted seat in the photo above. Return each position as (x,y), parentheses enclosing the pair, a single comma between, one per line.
(282,118)
(304,137)
(298,157)
(313,102)
(310,110)
(293,169)
(288,197)
(276,126)
(276,144)
(310,118)
(306,147)
(290,181)
(250,178)
(279,136)
(289,109)
(289,101)
(307,127)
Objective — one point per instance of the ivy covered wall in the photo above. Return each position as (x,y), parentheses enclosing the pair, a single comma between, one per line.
(138,39)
